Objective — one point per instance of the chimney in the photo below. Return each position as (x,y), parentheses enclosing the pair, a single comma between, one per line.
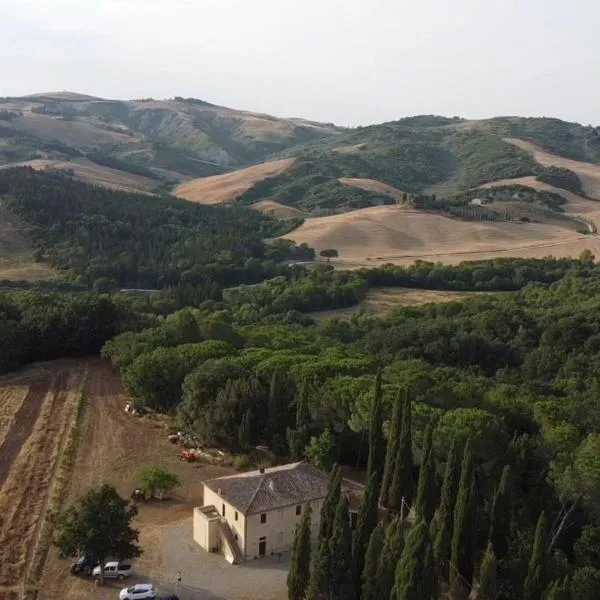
(271,485)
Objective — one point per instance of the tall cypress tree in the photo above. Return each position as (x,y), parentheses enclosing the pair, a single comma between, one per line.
(487,576)
(388,561)
(402,489)
(559,590)
(330,504)
(340,548)
(415,576)
(461,555)
(298,437)
(299,574)
(366,523)
(501,515)
(534,583)
(376,441)
(392,448)
(441,526)
(425,502)
(369,575)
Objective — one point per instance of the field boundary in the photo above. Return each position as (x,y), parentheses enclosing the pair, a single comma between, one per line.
(57,492)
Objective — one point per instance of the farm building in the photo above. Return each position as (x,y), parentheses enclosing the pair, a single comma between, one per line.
(254,514)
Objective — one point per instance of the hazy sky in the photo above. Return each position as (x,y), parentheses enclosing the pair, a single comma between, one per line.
(347,61)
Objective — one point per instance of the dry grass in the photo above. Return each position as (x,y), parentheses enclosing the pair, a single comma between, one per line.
(372,185)
(11,400)
(392,234)
(220,189)
(279,211)
(382,300)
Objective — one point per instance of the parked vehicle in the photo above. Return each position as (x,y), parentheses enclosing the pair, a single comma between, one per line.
(81,565)
(114,570)
(139,591)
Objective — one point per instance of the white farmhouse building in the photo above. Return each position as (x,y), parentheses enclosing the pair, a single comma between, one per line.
(255,514)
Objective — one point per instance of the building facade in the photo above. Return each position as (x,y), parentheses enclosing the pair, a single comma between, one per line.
(255,514)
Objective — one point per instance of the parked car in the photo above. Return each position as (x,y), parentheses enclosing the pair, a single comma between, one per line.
(81,565)
(114,570)
(139,591)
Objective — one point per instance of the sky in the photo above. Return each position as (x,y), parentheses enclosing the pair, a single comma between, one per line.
(351,62)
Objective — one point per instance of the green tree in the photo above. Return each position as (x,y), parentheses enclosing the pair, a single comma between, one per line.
(299,574)
(366,523)
(425,502)
(534,583)
(298,437)
(441,525)
(322,450)
(330,503)
(463,530)
(559,590)
(329,253)
(488,576)
(587,547)
(392,448)
(415,576)
(370,589)
(245,430)
(155,481)
(585,584)
(402,488)
(376,441)
(500,517)
(98,525)
(388,561)
(340,548)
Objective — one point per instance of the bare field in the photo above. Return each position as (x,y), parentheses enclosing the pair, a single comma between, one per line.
(277,210)
(220,189)
(391,234)
(11,400)
(372,185)
(382,300)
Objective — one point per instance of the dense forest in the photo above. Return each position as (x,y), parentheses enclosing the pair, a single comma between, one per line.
(109,239)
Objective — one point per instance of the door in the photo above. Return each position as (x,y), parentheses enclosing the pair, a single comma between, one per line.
(262,546)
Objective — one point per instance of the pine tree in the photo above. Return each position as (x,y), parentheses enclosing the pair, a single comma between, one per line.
(392,448)
(376,441)
(441,526)
(340,549)
(366,523)
(534,583)
(461,555)
(388,561)
(299,573)
(415,576)
(425,502)
(500,517)
(402,488)
(487,576)
(559,590)
(369,575)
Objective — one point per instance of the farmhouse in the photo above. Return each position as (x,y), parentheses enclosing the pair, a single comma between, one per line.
(254,514)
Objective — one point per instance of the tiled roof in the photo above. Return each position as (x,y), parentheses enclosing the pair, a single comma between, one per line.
(276,487)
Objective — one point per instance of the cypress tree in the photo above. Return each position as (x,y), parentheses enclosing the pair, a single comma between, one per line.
(425,502)
(340,549)
(366,523)
(376,441)
(299,573)
(559,590)
(441,526)
(487,576)
(402,488)
(273,416)
(298,437)
(461,555)
(534,583)
(501,515)
(369,575)
(415,577)
(392,448)
(388,561)
(330,504)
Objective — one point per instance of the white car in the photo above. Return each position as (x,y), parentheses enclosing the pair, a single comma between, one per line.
(139,591)
(114,570)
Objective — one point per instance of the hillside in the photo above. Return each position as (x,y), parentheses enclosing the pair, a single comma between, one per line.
(165,140)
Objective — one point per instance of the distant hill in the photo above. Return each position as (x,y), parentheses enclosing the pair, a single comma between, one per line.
(164,141)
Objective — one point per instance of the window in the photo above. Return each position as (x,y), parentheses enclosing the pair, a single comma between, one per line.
(299,509)
(223,509)
(235,515)
(263,518)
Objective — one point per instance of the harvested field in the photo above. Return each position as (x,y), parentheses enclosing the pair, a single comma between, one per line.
(220,189)
(279,211)
(372,185)
(31,451)
(391,234)
(381,300)
(11,400)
